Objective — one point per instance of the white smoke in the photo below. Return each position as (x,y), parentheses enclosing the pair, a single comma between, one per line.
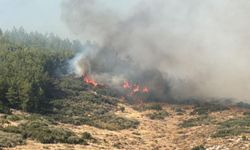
(201,47)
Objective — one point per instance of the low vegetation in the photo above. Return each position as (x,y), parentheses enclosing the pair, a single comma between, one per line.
(179,111)
(158,115)
(233,127)
(10,139)
(148,106)
(243,105)
(201,147)
(206,108)
(90,109)
(45,133)
(198,121)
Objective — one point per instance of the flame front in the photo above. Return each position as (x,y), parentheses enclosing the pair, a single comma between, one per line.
(145,90)
(87,79)
(134,88)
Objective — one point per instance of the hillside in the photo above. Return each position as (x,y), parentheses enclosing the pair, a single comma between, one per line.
(44,106)
(169,132)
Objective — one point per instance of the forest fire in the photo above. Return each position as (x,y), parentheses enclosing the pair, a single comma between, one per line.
(87,79)
(134,88)
(131,88)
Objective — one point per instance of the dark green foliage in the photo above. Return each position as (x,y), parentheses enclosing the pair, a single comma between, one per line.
(205,108)
(10,139)
(153,107)
(149,106)
(30,117)
(200,120)
(4,108)
(45,133)
(243,105)
(201,147)
(233,127)
(28,64)
(87,135)
(159,115)
(14,117)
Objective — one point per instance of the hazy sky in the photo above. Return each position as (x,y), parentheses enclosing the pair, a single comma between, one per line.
(33,15)
(42,15)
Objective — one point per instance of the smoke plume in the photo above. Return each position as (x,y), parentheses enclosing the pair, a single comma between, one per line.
(191,48)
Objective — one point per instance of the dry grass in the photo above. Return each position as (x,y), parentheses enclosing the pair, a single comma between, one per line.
(154,134)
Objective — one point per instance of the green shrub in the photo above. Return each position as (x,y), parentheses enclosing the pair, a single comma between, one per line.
(4,109)
(13,117)
(179,110)
(205,108)
(153,107)
(122,109)
(10,139)
(87,136)
(244,138)
(90,109)
(159,115)
(233,127)
(156,107)
(201,147)
(44,133)
(76,140)
(201,120)
(243,105)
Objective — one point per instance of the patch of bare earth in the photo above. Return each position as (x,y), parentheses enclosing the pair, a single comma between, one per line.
(153,134)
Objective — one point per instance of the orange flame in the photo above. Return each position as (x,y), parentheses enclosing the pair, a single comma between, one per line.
(134,88)
(87,79)
(126,85)
(145,90)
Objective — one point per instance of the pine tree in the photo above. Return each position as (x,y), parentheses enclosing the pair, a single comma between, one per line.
(12,96)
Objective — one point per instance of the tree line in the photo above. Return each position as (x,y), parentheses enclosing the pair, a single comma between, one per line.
(29,63)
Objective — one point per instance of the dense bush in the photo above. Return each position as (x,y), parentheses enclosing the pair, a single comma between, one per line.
(153,107)
(205,108)
(10,139)
(148,106)
(200,120)
(90,109)
(243,105)
(201,147)
(159,115)
(4,108)
(233,127)
(45,133)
